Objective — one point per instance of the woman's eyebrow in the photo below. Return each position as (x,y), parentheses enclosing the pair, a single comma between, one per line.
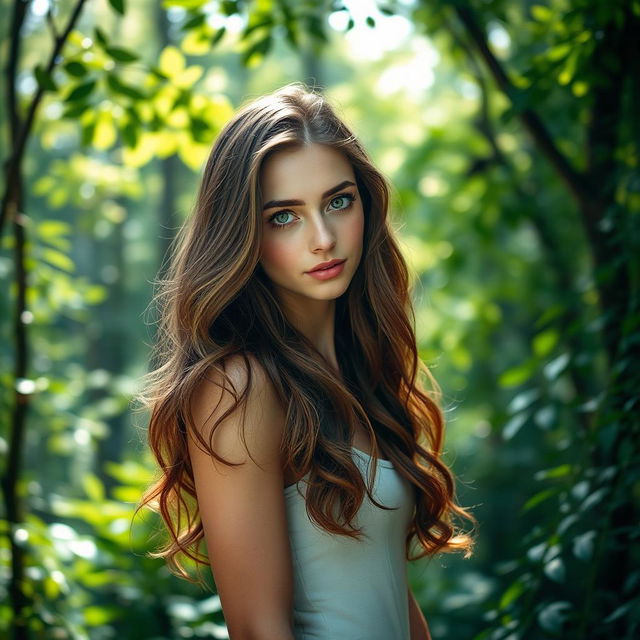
(293,203)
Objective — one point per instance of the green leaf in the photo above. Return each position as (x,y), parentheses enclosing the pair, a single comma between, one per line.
(229,7)
(260,24)
(87,133)
(257,51)
(218,36)
(117,86)
(120,54)
(75,110)
(96,616)
(559,52)
(556,367)
(81,91)
(539,497)
(76,69)
(511,594)
(93,487)
(196,21)
(45,79)
(158,73)
(620,611)
(118,6)
(53,228)
(517,375)
(544,342)
(523,400)
(554,570)
(101,37)
(315,27)
(583,545)
(370,22)
(130,134)
(199,128)
(514,425)
(540,13)
(556,472)
(552,616)
(58,259)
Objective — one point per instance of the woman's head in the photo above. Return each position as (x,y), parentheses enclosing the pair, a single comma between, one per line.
(286,145)
(233,272)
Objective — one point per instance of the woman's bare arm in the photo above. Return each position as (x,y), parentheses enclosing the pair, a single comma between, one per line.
(243,509)
(417,622)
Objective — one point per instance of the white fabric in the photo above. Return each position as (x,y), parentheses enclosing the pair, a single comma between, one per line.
(345,589)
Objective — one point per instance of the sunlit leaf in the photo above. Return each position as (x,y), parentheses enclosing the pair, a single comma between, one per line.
(556,472)
(555,570)
(523,400)
(171,61)
(514,425)
(96,616)
(52,228)
(541,13)
(58,259)
(517,375)
(583,545)
(514,591)
(552,616)
(544,342)
(104,135)
(254,54)
(556,366)
(545,417)
(539,497)
(187,78)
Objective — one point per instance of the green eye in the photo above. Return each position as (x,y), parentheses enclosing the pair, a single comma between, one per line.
(279,220)
(342,201)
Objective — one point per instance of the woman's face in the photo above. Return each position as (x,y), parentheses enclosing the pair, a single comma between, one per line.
(312,213)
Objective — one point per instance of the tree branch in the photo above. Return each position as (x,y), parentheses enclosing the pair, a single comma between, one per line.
(20,134)
(532,122)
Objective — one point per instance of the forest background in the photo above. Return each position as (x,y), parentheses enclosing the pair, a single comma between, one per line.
(509,131)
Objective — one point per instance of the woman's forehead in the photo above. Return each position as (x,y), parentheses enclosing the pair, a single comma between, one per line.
(311,168)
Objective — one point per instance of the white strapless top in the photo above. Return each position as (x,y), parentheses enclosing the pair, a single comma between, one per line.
(345,589)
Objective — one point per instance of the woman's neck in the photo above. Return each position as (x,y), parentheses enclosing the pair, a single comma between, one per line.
(315,320)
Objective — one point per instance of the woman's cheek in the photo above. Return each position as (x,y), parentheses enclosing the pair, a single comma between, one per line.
(353,230)
(277,254)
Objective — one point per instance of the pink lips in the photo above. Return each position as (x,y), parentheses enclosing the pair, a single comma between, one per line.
(331,270)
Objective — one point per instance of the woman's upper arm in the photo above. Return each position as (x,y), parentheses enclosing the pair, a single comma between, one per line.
(242,508)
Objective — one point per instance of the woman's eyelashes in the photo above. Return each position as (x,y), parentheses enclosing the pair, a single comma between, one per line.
(344,201)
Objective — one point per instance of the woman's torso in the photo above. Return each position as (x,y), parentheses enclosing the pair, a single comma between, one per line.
(347,589)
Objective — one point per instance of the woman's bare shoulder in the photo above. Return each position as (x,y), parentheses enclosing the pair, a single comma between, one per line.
(259,418)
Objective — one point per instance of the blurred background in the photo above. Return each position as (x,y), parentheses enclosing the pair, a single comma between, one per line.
(509,131)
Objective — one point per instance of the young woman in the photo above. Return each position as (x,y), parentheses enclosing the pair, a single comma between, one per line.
(293,434)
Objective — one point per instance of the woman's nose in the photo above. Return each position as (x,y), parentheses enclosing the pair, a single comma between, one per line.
(322,235)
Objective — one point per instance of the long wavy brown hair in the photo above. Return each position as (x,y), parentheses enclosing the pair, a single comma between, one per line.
(216,302)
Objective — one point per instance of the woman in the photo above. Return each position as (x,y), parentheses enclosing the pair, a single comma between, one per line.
(291,429)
